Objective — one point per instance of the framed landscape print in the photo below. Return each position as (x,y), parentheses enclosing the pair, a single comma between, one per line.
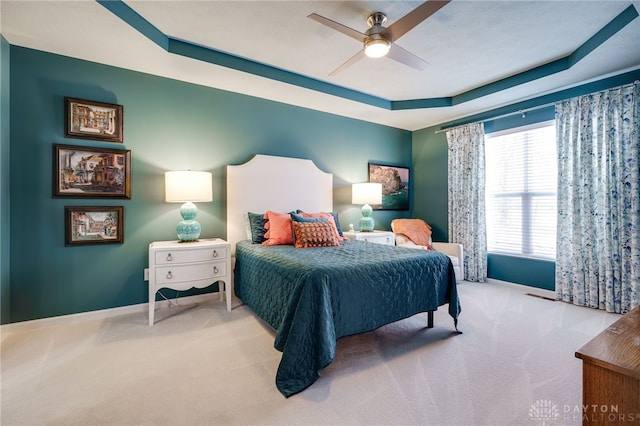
(93,120)
(85,172)
(93,225)
(395,186)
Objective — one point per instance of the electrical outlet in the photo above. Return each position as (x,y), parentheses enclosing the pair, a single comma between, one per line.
(146,274)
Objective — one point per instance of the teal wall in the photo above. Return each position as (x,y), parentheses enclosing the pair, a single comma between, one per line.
(521,270)
(430,175)
(430,181)
(176,125)
(168,125)
(4,180)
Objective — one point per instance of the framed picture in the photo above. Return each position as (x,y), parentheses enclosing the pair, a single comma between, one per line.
(85,172)
(395,186)
(93,120)
(93,225)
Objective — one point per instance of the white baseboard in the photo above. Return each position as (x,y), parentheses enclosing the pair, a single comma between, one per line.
(142,308)
(547,294)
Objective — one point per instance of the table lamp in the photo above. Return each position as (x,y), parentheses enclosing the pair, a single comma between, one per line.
(187,187)
(366,193)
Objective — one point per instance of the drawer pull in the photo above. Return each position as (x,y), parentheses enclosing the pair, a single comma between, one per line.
(169,257)
(215,253)
(169,275)
(215,269)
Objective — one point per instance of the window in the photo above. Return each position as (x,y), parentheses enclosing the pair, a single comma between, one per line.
(521,182)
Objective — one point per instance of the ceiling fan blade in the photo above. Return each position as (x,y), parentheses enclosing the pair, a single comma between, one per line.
(338,27)
(355,58)
(413,18)
(404,56)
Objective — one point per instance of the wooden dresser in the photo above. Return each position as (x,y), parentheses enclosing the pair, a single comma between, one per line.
(611,374)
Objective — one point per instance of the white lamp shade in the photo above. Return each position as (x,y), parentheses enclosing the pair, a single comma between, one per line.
(366,193)
(183,186)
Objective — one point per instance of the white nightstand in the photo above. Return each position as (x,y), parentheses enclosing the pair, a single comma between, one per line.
(181,266)
(378,237)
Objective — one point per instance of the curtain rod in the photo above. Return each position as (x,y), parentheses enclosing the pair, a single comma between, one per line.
(520,111)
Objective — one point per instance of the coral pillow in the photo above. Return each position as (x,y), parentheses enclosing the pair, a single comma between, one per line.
(278,229)
(315,234)
(336,221)
(323,215)
(297,218)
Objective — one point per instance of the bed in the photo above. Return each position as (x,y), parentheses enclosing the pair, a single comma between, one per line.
(313,296)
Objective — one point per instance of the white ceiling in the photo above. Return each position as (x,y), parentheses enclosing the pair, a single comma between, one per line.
(467,44)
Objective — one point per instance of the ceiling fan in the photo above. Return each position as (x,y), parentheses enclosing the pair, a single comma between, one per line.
(379,41)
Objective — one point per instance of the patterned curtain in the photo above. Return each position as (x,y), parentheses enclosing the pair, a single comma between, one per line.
(598,249)
(466,197)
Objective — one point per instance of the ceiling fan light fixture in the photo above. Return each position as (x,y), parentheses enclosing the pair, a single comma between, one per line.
(376,47)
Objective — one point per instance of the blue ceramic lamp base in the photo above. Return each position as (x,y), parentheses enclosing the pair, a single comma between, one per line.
(366,221)
(188,229)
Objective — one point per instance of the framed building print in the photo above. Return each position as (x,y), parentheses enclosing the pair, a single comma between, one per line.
(93,120)
(85,172)
(395,186)
(93,225)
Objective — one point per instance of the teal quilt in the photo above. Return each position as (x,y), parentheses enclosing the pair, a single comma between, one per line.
(312,297)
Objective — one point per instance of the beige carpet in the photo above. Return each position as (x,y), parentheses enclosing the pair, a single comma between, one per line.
(206,366)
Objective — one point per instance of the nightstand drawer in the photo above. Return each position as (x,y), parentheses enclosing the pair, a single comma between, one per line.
(178,273)
(164,257)
(378,239)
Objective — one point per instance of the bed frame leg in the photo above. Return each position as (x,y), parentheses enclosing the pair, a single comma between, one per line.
(430,319)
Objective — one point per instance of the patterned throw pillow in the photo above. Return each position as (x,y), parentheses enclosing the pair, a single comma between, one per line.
(297,218)
(323,215)
(336,221)
(315,234)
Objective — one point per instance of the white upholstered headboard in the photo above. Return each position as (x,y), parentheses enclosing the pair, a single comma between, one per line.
(280,184)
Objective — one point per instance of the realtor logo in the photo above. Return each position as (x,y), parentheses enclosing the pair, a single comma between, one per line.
(544,410)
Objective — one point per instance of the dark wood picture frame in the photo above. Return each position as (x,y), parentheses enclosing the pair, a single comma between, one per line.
(93,225)
(395,185)
(93,120)
(86,172)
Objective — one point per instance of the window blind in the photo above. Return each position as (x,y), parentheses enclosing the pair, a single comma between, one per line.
(521,182)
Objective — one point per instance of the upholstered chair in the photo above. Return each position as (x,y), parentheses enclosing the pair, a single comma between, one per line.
(455,251)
